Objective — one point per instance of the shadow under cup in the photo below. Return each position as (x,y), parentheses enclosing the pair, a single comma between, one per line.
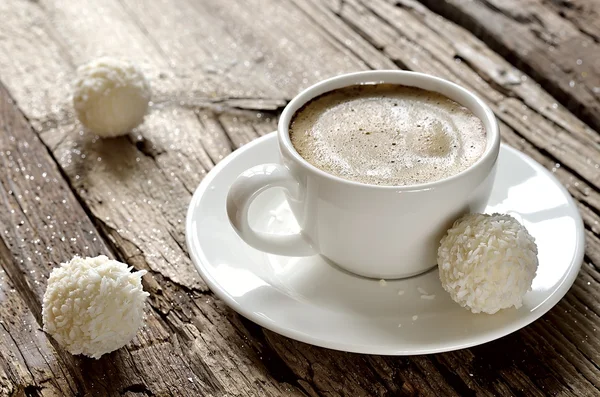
(384,231)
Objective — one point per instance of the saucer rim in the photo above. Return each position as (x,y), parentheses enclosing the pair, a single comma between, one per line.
(198,259)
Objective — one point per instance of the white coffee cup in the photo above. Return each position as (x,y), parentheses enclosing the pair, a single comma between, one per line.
(373,231)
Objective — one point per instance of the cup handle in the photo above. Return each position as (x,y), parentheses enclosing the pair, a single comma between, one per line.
(244,190)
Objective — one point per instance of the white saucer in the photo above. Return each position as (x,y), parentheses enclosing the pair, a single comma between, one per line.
(314,302)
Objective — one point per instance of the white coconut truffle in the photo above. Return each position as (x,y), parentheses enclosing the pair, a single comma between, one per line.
(93,306)
(110,96)
(487,262)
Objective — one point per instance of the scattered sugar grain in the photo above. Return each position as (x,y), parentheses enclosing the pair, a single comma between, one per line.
(382,283)
(428,297)
(422,291)
(415,317)
(400,292)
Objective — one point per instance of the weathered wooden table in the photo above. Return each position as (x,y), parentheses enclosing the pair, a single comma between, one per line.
(221,71)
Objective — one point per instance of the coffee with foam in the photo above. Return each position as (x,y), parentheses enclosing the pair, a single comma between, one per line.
(387,134)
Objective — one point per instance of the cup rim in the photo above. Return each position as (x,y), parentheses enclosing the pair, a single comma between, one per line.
(382,77)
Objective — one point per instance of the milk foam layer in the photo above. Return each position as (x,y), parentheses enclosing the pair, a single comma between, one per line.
(387,134)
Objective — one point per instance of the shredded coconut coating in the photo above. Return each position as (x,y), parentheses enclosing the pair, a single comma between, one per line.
(93,306)
(487,262)
(110,96)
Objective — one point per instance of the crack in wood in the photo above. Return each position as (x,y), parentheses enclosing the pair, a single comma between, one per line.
(222,104)
(189,332)
(453,379)
(329,22)
(276,366)
(17,346)
(138,388)
(104,227)
(517,14)
(232,146)
(500,88)
(530,60)
(507,92)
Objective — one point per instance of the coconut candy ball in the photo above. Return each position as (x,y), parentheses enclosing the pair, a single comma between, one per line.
(487,262)
(110,96)
(93,306)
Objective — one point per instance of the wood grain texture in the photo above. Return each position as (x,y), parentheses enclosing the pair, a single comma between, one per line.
(221,71)
(555,41)
(44,224)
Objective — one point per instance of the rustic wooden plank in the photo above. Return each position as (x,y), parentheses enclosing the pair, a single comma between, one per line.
(423,42)
(41,91)
(27,358)
(240,57)
(211,97)
(555,42)
(584,14)
(35,237)
(44,224)
(413,36)
(520,104)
